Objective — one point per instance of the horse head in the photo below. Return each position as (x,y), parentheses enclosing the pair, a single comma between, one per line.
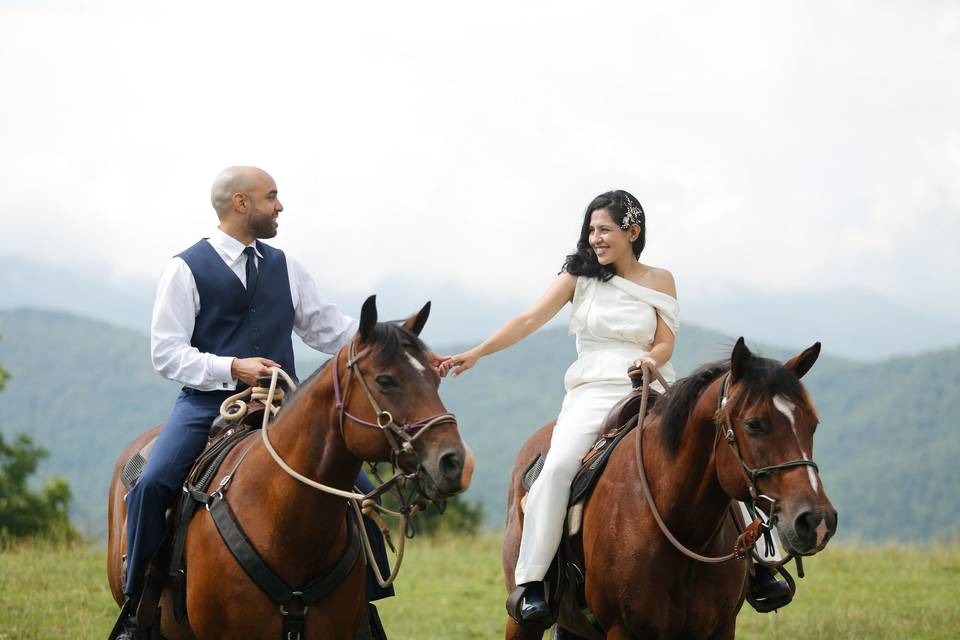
(768,420)
(398,393)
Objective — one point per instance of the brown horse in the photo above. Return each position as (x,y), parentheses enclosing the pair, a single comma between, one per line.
(301,532)
(713,437)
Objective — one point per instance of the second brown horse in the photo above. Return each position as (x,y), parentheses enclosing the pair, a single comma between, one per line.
(637,583)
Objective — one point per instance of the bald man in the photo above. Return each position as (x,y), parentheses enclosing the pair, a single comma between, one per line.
(224,312)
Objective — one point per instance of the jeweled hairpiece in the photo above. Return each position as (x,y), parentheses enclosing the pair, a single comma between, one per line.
(634,214)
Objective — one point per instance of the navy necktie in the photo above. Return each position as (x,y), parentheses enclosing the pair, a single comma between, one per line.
(252,272)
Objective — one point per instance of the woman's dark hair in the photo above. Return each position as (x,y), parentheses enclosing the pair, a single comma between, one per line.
(584,261)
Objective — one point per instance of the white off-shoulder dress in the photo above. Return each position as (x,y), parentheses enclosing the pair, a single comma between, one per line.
(615,323)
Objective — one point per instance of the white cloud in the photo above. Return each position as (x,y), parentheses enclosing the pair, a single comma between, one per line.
(776,146)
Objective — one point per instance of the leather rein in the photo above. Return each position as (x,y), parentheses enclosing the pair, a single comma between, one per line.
(747,539)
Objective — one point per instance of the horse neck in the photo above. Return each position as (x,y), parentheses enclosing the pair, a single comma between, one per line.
(307,437)
(684,482)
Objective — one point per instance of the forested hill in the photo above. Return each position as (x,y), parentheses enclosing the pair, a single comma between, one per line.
(888,444)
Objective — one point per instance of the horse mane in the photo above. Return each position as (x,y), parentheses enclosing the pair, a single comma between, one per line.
(763,377)
(675,406)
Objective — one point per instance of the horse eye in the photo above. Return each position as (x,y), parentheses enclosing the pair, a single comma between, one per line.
(755,425)
(386,382)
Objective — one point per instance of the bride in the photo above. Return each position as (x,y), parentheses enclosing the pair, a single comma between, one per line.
(624,312)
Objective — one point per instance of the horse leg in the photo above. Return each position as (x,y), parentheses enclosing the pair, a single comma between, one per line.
(515,632)
(726,631)
(559,633)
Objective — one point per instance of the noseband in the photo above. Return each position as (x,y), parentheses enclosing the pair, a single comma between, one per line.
(400,436)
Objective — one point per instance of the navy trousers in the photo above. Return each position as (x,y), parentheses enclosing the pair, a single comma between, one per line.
(180,442)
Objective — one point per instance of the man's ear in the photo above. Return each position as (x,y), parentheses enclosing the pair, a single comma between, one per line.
(239,202)
(368,318)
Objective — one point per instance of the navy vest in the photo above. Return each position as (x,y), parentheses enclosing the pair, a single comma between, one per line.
(240,323)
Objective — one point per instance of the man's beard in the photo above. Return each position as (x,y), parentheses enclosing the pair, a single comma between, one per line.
(262,227)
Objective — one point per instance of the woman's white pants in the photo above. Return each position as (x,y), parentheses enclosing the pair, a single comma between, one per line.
(578,426)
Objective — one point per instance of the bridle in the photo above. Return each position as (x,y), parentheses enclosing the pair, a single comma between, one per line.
(400,437)
(748,538)
(751,474)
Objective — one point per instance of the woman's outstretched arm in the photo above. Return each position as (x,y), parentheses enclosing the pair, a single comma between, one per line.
(557,294)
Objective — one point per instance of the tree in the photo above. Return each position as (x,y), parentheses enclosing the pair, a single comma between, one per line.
(25,513)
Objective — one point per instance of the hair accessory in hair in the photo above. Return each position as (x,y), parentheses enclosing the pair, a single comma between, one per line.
(634,215)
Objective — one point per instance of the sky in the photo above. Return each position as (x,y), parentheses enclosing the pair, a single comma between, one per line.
(788,146)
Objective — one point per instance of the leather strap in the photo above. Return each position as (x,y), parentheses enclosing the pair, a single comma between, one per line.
(264,576)
(195,496)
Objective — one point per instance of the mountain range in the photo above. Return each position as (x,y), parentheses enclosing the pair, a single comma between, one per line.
(887,445)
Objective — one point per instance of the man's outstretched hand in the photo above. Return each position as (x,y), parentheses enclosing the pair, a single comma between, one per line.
(247,370)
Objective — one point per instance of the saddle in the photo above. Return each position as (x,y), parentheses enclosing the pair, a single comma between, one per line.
(221,431)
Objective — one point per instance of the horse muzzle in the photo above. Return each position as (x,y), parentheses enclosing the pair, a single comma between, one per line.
(448,472)
(807,530)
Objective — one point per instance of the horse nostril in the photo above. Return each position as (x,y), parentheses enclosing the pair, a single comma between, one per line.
(805,526)
(451,464)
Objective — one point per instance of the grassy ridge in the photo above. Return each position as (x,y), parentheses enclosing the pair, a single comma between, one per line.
(451,588)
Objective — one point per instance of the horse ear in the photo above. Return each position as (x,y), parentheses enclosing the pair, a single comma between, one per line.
(368,317)
(800,364)
(414,324)
(739,360)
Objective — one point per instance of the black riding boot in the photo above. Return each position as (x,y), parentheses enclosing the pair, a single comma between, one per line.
(765,586)
(533,604)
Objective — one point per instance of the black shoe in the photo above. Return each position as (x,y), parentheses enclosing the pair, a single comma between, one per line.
(533,604)
(765,586)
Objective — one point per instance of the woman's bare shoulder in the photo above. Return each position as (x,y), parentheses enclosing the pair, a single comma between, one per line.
(661,280)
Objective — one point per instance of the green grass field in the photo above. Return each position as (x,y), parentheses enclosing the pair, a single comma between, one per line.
(452,588)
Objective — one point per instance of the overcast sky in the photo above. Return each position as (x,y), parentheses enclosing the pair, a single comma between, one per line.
(777,146)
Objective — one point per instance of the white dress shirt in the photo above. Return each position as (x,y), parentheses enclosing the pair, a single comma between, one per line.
(319,323)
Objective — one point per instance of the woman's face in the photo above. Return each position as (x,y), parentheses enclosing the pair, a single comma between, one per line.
(608,240)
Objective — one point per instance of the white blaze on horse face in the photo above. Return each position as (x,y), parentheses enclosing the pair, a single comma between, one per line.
(786,407)
(416,363)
